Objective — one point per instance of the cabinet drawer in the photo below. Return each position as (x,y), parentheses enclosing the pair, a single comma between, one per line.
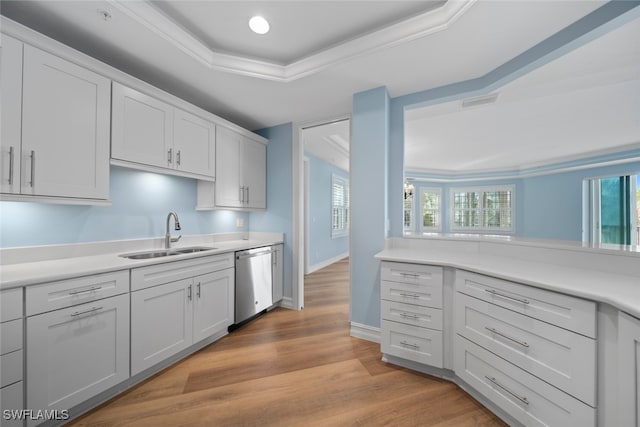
(567,312)
(159,274)
(413,343)
(67,293)
(416,315)
(528,399)
(11,399)
(418,294)
(413,274)
(11,368)
(11,304)
(10,336)
(560,357)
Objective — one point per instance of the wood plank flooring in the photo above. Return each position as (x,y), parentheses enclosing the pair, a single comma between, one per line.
(293,368)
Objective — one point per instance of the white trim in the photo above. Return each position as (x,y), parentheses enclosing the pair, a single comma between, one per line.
(365,332)
(8,197)
(326,262)
(306,165)
(482,189)
(287,302)
(427,23)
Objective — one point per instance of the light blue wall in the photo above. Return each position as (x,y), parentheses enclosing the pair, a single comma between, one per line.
(279,214)
(140,203)
(322,246)
(369,152)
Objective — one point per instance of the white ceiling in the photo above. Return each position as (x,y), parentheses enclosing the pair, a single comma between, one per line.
(317,56)
(583,103)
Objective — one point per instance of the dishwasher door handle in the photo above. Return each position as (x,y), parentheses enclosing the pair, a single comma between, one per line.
(255,254)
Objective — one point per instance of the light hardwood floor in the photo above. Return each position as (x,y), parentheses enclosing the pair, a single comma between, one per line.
(293,368)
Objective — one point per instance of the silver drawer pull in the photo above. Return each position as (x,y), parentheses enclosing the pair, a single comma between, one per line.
(78,313)
(498,294)
(520,398)
(414,275)
(409,295)
(409,316)
(407,344)
(95,288)
(495,331)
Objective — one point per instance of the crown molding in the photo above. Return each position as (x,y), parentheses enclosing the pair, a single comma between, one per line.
(404,31)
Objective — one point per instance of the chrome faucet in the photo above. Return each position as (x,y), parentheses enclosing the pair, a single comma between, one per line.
(167,237)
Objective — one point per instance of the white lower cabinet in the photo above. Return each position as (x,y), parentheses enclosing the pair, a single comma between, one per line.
(525,397)
(11,356)
(11,400)
(167,318)
(77,352)
(628,370)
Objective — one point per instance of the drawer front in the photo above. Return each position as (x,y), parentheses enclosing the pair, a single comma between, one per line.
(528,399)
(574,314)
(560,357)
(420,294)
(416,315)
(11,399)
(414,274)
(10,336)
(412,343)
(67,293)
(11,304)
(159,274)
(11,368)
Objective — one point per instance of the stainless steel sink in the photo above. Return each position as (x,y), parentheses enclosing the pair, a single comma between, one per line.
(158,253)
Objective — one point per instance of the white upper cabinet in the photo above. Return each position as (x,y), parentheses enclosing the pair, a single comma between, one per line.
(148,133)
(241,167)
(62,149)
(194,142)
(142,128)
(11,121)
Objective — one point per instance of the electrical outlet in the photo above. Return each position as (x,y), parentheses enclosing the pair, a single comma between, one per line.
(239,222)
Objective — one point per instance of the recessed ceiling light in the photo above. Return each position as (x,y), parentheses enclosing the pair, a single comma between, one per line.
(259,25)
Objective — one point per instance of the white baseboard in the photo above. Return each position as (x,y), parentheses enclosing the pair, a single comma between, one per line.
(365,332)
(286,302)
(326,263)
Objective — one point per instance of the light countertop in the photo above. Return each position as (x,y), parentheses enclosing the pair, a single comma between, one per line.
(48,270)
(619,290)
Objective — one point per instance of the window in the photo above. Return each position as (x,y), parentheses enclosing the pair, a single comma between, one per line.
(408,213)
(339,206)
(430,209)
(483,209)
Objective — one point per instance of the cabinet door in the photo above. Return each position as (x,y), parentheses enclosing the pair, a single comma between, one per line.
(11,88)
(142,128)
(77,352)
(65,128)
(628,370)
(213,303)
(254,172)
(11,398)
(194,142)
(161,323)
(278,273)
(227,190)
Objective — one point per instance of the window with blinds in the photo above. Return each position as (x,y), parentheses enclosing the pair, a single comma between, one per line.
(408,213)
(483,209)
(430,209)
(339,206)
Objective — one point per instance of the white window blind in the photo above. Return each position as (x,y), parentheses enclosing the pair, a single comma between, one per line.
(483,209)
(339,206)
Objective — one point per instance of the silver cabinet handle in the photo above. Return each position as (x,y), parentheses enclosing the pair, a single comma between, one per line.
(407,344)
(242,194)
(190,294)
(409,295)
(33,168)
(198,290)
(413,275)
(502,334)
(178,157)
(247,194)
(11,155)
(409,316)
(91,310)
(169,155)
(499,294)
(95,288)
(520,398)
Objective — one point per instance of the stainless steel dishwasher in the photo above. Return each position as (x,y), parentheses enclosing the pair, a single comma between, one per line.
(253,282)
